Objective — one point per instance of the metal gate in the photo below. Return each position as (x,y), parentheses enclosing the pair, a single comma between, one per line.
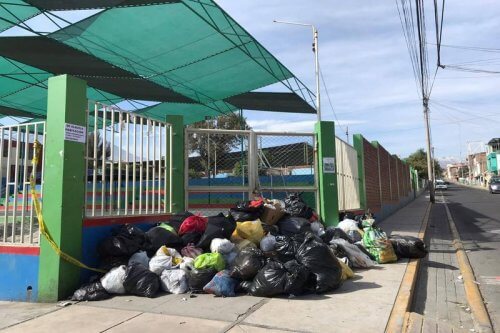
(128,163)
(18,222)
(226,166)
(347,176)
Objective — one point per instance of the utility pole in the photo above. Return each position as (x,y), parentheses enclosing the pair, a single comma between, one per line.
(430,169)
(315,48)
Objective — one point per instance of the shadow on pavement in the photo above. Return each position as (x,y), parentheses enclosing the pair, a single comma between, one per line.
(440,265)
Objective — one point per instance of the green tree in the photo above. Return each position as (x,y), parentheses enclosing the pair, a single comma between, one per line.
(217,145)
(418,160)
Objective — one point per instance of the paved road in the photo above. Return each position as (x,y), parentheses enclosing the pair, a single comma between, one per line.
(477,218)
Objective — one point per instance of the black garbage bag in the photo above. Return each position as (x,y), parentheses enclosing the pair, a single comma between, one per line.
(191,237)
(338,251)
(276,278)
(245,212)
(320,260)
(333,233)
(365,251)
(247,264)
(141,281)
(295,206)
(177,219)
(125,241)
(243,287)
(198,278)
(270,229)
(291,225)
(286,247)
(91,292)
(218,226)
(107,263)
(159,236)
(408,247)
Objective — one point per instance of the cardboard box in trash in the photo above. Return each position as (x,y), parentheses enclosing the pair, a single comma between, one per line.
(273,211)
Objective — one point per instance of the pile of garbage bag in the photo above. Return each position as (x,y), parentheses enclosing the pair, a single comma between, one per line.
(262,248)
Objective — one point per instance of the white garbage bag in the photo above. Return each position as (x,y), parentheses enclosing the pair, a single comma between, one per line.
(221,245)
(113,280)
(174,281)
(187,264)
(165,258)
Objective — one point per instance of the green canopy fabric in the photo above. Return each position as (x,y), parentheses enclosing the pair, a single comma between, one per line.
(175,46)
(13,12)
(24,88)
(192,113)
(190,48)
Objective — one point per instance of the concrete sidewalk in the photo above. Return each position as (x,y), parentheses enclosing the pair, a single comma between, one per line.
(362,304)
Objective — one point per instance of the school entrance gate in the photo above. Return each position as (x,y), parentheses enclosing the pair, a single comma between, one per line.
(227,166)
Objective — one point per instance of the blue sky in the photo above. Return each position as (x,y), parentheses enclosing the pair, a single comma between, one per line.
(368,73)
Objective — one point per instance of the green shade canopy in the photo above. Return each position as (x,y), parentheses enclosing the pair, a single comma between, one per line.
(13,12)
(189,55)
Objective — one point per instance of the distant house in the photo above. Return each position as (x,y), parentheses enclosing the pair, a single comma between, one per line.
(493,156)
(477,165)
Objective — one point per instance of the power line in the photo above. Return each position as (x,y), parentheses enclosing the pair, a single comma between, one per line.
(470,69)
(330,101)
(469,48)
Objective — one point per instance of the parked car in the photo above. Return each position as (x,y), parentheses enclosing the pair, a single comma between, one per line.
(494,185)
(441,185)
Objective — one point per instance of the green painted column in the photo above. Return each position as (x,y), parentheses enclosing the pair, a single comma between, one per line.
(64,186)
(177,160)
(358,145)
(327,173)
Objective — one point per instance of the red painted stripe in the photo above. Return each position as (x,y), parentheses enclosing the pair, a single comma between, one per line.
(207,206)
(24,250)
(117,220)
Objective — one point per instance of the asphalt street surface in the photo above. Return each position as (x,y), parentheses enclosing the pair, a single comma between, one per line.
(477,217)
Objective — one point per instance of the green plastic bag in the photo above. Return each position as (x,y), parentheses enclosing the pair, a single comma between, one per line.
(210,260)
(168,227)
(376,242)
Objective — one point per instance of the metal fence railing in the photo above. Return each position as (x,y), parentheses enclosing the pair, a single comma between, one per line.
(347,176)
(18,222)
(286,163)
(128,163)
(227,166)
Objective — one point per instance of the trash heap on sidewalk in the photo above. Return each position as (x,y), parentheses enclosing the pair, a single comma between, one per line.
(261,248)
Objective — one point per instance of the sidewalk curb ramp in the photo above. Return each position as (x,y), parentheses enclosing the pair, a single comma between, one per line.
(399,315)
(472,292)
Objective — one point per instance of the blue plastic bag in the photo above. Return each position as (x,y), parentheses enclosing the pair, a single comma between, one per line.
(221,285)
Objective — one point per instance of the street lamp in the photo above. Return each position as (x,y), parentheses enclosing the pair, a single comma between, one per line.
(316,60)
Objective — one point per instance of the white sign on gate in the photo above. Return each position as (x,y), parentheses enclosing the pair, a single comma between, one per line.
(74,133)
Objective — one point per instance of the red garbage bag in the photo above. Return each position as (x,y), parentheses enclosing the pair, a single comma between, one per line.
(193,223)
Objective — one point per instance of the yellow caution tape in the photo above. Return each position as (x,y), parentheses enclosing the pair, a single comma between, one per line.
(43,228)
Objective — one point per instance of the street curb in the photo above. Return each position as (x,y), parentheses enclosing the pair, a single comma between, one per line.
(472,292)
(398,318)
